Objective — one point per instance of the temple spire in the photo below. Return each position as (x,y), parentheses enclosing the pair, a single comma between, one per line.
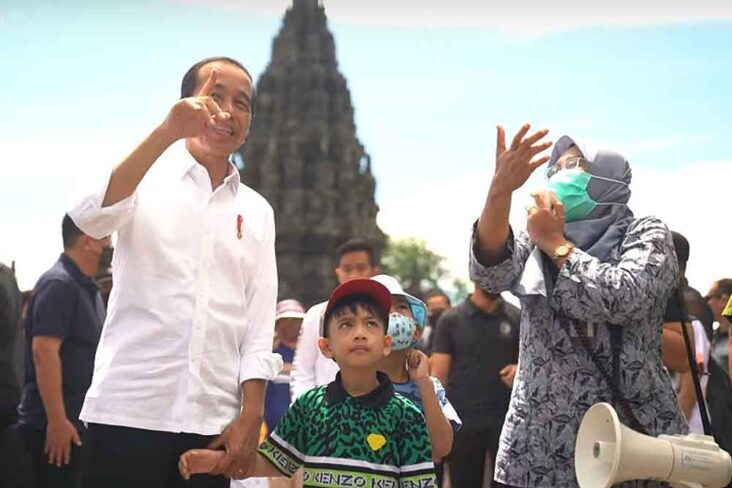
(304,156)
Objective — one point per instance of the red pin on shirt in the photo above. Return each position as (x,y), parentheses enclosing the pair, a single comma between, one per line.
(239,222)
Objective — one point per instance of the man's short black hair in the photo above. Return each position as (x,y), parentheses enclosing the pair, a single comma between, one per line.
(190,79)
(69,232)
(437,293)
(725,286)
(357,245)
(351,303)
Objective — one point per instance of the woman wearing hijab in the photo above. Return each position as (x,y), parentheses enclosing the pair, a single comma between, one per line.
(593,283)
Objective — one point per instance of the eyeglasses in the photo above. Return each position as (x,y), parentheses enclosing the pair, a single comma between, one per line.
(573,163)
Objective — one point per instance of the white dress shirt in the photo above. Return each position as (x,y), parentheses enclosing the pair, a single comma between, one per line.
(310,368)
(191,313)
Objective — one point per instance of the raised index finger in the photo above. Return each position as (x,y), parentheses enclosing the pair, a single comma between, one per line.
(208,85)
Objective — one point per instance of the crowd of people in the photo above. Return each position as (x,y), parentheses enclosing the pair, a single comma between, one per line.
(189,372)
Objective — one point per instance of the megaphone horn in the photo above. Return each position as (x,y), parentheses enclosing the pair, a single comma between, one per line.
(607,452)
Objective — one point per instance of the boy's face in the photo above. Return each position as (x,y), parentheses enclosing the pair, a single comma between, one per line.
(355,340)
(401,306)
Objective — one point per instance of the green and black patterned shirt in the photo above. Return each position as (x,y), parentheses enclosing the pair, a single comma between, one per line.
(376,440)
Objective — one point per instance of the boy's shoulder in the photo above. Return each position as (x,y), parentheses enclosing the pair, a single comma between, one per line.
(311,398)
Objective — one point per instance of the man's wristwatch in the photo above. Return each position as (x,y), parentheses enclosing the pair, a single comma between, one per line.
(562,250)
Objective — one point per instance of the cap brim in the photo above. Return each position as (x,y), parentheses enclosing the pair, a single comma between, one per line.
(360,286)
(290,315)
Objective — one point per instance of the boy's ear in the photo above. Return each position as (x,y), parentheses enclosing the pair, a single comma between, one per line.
(324,346)
(387,345)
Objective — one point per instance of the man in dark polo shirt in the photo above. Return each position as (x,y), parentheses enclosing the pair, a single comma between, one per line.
(62,324)
(14,466)
(475,354)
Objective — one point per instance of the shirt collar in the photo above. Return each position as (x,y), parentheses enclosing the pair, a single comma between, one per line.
(188,163)
(474,310)
(75,272)
(335,392)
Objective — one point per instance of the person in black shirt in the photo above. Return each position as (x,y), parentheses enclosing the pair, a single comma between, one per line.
(63,322)
(437,303)
(475,354)
(14,464)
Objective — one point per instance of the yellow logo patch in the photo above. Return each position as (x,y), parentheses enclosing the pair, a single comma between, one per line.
(376,441)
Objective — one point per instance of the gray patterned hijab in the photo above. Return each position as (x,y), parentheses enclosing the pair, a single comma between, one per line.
(604,229)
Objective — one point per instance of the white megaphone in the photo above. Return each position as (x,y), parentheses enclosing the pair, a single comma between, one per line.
(607,452)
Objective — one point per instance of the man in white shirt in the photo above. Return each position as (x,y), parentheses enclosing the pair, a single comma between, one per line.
(356,259)
(186,348)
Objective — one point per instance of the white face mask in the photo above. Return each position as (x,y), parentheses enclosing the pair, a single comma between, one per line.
(401,330)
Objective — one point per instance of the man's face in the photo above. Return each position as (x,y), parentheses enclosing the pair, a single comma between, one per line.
(288,329)
(436,305)
(355,264)
(717,301)
(233,93)
(356,339)
(95,247)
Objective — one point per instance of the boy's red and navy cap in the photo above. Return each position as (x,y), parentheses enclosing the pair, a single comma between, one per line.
(358,286)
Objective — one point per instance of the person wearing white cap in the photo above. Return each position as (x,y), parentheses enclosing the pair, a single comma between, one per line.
(288,319)
(408,368)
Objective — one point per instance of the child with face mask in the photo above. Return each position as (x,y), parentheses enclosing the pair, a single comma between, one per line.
(408,368)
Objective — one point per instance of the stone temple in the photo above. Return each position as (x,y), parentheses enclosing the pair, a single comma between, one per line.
(304,156)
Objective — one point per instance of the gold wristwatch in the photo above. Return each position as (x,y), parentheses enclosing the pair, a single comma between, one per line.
(563,250)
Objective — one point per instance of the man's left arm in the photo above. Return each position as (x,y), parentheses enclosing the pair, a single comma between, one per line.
(258,364)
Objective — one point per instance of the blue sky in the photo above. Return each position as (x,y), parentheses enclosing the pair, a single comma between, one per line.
(83,82)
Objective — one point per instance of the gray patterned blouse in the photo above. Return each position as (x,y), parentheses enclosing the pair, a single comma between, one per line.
(557,380)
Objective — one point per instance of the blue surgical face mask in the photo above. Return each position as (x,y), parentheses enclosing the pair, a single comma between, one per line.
(571,189)
(401,330)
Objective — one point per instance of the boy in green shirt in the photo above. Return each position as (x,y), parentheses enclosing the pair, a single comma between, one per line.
(355,431)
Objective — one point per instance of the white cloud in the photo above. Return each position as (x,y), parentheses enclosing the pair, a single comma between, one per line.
(36,193)
(690,200)
(527,17)
(39,191)
(664,144)
(442,213)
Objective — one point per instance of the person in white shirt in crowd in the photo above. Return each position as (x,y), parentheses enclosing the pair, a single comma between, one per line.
(356,259)
(685,386)
(673,346)
(186,348)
